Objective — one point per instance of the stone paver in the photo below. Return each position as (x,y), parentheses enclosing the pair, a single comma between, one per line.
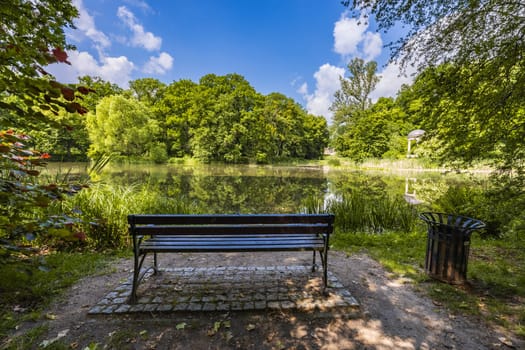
(241,288)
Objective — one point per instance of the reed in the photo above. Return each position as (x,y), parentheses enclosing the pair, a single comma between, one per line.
(355,212)
(103,210)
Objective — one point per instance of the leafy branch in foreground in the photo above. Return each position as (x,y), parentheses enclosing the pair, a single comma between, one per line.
(23,200)
(31,38)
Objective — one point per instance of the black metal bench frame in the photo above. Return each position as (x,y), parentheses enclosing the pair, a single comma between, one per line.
(227,233)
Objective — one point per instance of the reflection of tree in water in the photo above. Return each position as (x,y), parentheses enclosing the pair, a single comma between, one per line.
(230,189)
(249,194)
(246,189)
(363,184)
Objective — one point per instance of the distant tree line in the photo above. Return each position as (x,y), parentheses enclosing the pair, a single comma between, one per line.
(219,118)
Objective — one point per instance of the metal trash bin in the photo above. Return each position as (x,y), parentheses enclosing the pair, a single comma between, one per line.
(448,245)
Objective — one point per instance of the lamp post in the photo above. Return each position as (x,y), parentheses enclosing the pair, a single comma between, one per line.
(414,135)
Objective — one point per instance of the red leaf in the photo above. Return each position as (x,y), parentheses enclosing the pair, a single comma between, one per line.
(60,55)
(84,90)
(68,93)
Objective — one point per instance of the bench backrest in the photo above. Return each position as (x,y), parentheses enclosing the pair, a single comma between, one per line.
(230,224)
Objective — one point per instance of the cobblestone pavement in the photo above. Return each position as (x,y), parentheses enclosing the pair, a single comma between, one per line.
(237,288)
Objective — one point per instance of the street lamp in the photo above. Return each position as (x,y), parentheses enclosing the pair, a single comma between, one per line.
(414,135)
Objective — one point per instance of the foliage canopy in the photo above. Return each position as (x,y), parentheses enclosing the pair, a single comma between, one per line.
(32,37)
(475,102)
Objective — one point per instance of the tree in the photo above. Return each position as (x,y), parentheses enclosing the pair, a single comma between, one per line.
(451,30)
(222,100)
(32,37)
(316,136)
(147,90)
(356,89)
(122,126)
(175,105)
(461,129)
(482,45)
(377,132)
(99,88)
(69,142)
(353,98)
(223,118)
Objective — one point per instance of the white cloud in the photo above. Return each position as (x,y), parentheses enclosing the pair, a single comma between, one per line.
(113,69)
(327,83)
(351,38)
(392,78)
(140,4)
(303,89)
(117,70)
(86,24)
(372,45)
(140,38)
(158,65)
(348,33)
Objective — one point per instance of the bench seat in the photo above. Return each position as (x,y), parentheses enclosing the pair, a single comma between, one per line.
(227,233)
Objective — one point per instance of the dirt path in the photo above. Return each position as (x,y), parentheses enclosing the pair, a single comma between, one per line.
(394,316)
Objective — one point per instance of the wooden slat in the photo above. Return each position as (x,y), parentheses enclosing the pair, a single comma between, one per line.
(232,241)
(230,233)
(232,248)
(230,229)
(206,219)
(237,237)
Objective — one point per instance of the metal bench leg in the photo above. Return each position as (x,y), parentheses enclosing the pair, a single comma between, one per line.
(137,265)
(324,256)
(155,264)
(313,262)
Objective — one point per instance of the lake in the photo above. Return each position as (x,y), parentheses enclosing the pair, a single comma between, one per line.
(265,189)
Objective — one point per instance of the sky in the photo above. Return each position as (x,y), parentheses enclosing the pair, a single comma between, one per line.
(298,48)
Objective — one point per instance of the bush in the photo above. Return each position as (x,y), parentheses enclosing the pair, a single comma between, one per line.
(158,153)
(334,162)
(500,204)
(261,158)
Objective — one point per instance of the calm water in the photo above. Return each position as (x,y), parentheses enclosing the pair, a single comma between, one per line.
(264,189)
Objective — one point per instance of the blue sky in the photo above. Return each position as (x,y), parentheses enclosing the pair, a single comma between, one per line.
(295,47)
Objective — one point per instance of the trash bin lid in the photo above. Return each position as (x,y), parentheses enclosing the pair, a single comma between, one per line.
(452,221)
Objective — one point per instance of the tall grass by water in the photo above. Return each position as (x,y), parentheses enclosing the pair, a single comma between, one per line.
(356,212)
(102,210)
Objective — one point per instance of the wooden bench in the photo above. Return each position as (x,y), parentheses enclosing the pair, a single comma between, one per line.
(227,233)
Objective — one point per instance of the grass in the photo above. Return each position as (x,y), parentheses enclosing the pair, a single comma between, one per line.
(380,164)
(495,291)
(103,208)
(401,253)
(28,340)
(359,212)
(30,284)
